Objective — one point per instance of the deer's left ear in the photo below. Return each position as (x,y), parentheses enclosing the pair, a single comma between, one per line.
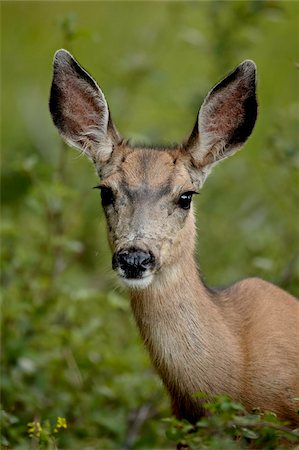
(225,120)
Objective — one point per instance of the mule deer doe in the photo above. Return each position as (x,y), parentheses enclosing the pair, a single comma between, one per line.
(242,341)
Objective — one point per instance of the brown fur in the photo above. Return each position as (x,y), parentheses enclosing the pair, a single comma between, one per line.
(242,341)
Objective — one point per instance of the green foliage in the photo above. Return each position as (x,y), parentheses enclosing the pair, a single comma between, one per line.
(227,426)
(44,436)
(69,346)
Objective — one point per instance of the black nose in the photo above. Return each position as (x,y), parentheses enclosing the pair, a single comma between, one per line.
(133,262)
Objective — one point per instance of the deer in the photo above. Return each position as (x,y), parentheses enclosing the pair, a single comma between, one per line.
(241,341)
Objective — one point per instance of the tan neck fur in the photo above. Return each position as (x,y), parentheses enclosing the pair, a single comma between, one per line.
(184,331)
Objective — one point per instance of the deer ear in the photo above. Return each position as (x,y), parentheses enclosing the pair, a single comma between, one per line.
(225,120)
(79,109)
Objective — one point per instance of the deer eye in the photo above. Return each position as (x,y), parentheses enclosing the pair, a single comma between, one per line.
(185,200)
(106,195)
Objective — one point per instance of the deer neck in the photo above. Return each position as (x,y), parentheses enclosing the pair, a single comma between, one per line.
(175,312)
(177,297)
(184,331)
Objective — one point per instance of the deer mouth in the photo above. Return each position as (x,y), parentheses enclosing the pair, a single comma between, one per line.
(137,283)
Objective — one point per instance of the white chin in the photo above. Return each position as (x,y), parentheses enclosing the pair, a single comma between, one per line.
(138,283)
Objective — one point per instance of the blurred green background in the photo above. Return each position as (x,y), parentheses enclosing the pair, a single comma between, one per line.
(69,346)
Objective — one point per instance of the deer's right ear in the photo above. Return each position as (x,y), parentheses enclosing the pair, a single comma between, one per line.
(79,109)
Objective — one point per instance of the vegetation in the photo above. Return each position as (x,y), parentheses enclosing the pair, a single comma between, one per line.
(228,426)
(70,349)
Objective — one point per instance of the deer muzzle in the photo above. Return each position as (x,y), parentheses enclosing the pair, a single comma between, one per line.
(133,264)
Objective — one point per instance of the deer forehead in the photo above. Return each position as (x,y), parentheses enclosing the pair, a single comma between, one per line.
(153,169)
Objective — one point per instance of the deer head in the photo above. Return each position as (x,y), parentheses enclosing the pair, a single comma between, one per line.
(146,192)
